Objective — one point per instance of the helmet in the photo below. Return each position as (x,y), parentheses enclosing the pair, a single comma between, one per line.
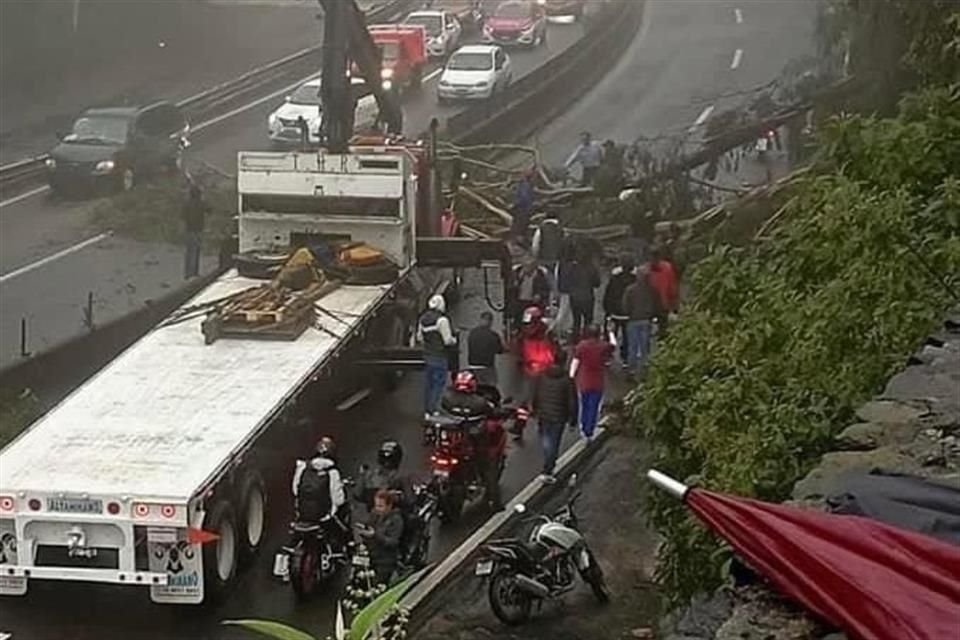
(465,382)
(532,315)
(390,454)
(326,447)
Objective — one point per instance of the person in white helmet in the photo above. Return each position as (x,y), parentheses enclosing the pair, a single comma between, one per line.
(436,336)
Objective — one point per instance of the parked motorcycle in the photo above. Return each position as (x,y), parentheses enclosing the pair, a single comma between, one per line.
(543,566)
(418,528)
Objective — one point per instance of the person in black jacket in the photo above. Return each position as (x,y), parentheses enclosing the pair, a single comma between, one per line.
(554,405)
(383,535)
(584,280)
(616,317)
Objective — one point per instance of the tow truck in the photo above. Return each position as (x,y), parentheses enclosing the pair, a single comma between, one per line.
(151,473)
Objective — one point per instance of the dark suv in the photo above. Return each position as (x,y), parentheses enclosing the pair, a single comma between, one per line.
(113,147)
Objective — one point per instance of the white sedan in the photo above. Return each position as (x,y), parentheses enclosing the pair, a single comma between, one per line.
(442,31)
(475,71)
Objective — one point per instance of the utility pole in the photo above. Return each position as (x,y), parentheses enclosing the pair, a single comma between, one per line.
(336,95)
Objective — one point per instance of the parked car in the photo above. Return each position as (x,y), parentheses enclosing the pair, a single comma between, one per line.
(516,22)
(475,71)
(111,148)
(442,29)
(283,125)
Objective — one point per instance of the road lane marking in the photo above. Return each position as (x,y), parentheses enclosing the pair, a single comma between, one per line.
(56,256)
(433,74)
(737,56)
(738,16)
(702,117)
(24,196)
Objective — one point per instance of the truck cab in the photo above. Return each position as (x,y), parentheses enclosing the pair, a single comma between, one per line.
(403,54)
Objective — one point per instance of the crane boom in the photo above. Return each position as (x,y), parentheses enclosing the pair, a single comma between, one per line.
(346,38)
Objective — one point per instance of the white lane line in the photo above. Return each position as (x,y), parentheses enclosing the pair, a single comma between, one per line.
(193,128)
(433,74)
(737,56)
(702,117)
(24,196)
(56,256)
(738,16)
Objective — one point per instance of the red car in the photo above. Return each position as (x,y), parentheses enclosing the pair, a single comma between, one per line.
(516,22)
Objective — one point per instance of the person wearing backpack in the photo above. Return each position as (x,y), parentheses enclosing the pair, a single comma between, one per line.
(318,491)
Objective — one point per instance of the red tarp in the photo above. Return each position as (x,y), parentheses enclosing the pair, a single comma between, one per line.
(874,581)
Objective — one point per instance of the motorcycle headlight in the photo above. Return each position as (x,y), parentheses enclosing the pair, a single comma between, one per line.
(386,74)
(105,166)
(387,85)
(51,163)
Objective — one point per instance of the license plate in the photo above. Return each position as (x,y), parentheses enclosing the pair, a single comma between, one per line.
(484,567)
(281,565)
(74,505)
(360,561)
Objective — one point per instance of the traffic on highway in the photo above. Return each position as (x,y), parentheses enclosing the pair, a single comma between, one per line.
(309,416)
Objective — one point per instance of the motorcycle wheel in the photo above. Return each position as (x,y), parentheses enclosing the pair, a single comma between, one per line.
(593,576)
(303,572)
(511,605)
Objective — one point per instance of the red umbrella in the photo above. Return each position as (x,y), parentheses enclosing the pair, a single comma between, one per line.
(874,581)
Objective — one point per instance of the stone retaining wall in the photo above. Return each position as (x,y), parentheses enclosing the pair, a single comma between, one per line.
(913,427)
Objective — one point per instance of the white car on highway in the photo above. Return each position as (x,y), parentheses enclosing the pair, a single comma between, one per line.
(475,71)
(284,123)
(443,31)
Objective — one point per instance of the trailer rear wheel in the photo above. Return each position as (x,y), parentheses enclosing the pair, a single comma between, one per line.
(220,556)
(253,514)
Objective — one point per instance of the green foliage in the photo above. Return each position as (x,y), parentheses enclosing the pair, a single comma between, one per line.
(151,212)
(784,339)
(18,409)
(270,629)
(381,608)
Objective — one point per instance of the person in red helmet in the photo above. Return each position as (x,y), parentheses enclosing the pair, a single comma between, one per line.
(470,400)
(537,352)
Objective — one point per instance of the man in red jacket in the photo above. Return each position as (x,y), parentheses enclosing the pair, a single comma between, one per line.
(663,279)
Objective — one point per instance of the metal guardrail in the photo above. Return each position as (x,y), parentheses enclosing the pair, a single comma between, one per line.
(217,99)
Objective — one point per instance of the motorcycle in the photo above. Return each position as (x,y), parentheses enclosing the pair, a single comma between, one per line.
(418,525)
(311,557)
(457,475)
(543,566)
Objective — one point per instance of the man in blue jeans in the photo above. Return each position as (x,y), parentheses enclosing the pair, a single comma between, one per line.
(641,306)
(434,332)
(555,406)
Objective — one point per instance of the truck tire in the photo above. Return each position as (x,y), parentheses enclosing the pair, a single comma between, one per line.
(220,556)
(252,522)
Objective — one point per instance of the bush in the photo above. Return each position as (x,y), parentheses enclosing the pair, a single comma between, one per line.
(785,338)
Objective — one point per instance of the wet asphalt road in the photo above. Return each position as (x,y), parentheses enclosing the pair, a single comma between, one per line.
(65,611)
(121,274)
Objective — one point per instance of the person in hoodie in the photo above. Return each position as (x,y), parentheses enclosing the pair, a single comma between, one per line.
(318,490)
(436,335)
(588,369)
(616,317)
(584,281)
(641,304)
(555,406)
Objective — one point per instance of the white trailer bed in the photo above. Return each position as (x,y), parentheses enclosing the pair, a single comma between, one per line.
(163,417)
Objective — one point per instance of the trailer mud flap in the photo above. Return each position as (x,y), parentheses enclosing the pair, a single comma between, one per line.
(171,553)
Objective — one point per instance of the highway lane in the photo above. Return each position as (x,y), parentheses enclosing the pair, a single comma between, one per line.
(683,59)
(59,611)
(122,274)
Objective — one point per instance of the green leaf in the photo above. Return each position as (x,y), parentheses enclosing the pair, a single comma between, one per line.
(270,629)
(374,612)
